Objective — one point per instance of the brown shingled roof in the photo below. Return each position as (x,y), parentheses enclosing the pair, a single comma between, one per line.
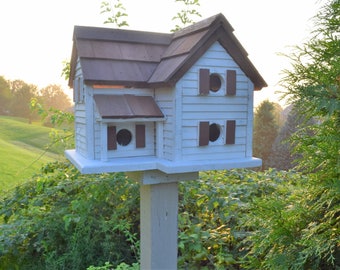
(127,106)
(146,59)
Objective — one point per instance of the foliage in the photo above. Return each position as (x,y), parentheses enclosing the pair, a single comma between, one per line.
(116,11)
(16,97)
(63,220)
(66,70)
(185,16)
(301,230)
(282,156)
(122,266)
(5,96)
(233,219)
(212,209)
(292,232)
(22,93)
(62,137)
(53,96)
(265,131)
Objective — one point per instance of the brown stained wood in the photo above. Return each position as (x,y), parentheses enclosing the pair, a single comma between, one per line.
(127,106)
(204,81)
(203,133)
(111,138)
(140,136)
(230,131)
(113,106)
(117,51)
(145,59)
(231,82)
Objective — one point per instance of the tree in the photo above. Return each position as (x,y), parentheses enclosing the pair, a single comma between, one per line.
(5,96)
(116,12)
(303,230)
(265,131)
(282,156)
(53,96)
(185,15)
(22,93)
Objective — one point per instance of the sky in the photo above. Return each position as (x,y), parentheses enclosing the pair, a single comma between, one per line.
(36,35)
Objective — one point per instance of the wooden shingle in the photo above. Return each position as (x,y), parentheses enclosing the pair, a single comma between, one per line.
(145,59)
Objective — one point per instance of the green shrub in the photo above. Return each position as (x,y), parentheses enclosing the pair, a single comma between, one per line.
(211,230)
(237,219)
(64,220)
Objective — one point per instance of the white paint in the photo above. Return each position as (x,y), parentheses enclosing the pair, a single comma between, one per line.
(172,145)
(128,164)
(159,211)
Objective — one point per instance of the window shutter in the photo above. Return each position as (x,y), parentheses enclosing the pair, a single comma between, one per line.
(231,82)
(140,136)
(204,81)
(111,138)
(203,133)
(230,132)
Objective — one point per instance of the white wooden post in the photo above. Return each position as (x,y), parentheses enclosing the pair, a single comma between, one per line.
(158,217)
(159,209)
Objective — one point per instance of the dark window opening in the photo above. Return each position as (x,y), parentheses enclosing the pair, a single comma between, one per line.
(124,137)
(214,132)
(215,82)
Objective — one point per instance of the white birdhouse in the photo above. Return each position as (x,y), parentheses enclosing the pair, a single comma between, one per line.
(179,102)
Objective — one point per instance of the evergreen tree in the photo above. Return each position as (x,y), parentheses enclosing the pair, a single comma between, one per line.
(265,131)
(305,231)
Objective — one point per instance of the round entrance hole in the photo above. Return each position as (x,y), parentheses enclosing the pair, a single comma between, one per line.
(215,82)
(124,137)
(214,132)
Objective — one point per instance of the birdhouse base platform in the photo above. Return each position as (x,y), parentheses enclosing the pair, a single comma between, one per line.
(130,164)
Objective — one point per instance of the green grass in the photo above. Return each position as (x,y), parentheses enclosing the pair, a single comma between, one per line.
(22,150)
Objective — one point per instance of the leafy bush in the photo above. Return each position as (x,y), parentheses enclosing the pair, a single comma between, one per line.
(237,219)
(64,220)
(213,232)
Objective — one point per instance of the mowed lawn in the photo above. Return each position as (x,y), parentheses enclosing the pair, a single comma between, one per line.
(22,150)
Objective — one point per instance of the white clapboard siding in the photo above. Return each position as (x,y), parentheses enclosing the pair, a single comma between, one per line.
(97,139)
(216,107)
(130,150)
(166,101)
(249,149)
(80,128)
(123,91)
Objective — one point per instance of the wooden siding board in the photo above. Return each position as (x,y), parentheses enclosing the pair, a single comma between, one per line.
(203,138)
(189,100)
(231,82)
(140,136)
(121,50)
(131,149)
(121,35)
(230,132)
(184,44)
(204,81)
(127,106)
(215,116)
(165,98)
(111,138)
(189,43)
(116,71)
(166,69)
(217,108)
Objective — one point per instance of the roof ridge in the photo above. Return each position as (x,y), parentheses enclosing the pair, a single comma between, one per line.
(204,24)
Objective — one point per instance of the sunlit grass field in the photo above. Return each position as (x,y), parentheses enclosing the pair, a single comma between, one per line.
(22,150)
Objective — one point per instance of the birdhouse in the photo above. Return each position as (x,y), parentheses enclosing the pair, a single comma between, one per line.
(175,102)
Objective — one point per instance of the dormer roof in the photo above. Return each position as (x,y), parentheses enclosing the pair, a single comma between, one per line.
(146,59)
